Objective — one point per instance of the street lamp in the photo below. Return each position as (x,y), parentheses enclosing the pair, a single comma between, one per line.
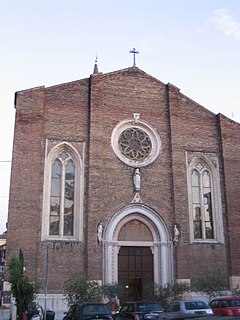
(46,285)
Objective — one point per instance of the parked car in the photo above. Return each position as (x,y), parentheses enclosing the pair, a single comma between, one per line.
(135,310)
(226,306)
(182,309)
(88,311)
(35,312)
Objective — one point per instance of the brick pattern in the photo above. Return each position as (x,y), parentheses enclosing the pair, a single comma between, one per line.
(88,110)
(230,145)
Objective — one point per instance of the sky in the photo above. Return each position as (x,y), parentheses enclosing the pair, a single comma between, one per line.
(193,44)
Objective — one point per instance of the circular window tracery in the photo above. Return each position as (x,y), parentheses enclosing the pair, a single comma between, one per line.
(135,144)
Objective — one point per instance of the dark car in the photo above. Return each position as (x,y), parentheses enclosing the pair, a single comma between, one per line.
(226,306)
(35,312)
(88,311)
(183,309)
(139,310)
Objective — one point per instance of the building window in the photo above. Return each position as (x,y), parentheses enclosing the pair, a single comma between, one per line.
(205,211)
(202,203)
(136,143)
(63,195)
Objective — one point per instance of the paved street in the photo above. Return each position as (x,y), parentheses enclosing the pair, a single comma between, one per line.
(5,314)
(59,315)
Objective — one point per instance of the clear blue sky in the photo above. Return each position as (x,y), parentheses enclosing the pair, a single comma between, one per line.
(193,44)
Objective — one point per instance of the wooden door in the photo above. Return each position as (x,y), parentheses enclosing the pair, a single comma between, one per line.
(135,271)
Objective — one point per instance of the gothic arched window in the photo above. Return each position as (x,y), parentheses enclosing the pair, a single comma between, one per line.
(205,208)
(202,203)
(63,195)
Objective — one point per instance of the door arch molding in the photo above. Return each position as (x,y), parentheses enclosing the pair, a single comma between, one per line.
(161,246)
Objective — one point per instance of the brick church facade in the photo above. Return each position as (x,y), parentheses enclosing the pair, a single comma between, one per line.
(124,178)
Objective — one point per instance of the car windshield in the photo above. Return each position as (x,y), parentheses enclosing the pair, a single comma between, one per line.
(195,305)
(143,307)
(94,309)
(234,303)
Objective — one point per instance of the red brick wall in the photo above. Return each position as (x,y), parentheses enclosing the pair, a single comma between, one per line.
(24,219)
(88,110)
(230,142)
(193,128)
(59,112)
(115,97)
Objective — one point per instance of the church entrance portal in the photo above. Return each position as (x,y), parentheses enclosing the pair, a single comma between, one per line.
(137,250)
(135,271)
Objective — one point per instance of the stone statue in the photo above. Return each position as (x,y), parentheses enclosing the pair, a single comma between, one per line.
(136,117)
(176,233)
(137,180)
(100,232)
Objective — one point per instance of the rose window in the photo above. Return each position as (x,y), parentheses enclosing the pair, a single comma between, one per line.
(135,144)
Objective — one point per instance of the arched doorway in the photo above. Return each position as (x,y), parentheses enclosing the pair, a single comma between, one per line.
(135,263)
(137,250)
(135,272)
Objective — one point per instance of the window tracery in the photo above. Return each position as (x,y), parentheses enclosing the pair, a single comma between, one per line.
(202,203)
(63,194)
(135,144)
(205,211)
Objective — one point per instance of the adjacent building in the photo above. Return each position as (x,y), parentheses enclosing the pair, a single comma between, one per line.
(5,292)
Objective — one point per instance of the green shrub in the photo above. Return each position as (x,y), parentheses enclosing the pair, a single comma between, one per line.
(165,294)
(210,282)
(23,290)
(78,289)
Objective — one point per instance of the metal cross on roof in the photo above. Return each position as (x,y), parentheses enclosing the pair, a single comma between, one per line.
(134,51)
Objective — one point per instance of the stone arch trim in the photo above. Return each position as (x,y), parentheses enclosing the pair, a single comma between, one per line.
(137,217)
(76,150)
(150,132)
(161,246)
(210,160)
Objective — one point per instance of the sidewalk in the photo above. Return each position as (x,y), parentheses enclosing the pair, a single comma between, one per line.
(4,314)
(59,314)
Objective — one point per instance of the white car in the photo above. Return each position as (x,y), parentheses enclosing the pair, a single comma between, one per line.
(182,309)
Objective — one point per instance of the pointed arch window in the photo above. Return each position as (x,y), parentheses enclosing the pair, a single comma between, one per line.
(63,195)
(202,203)
(205,205)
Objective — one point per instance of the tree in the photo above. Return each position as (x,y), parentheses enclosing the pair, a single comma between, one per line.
(78,289)
(164,294)
(112,290)
(23,290)
(211,282)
